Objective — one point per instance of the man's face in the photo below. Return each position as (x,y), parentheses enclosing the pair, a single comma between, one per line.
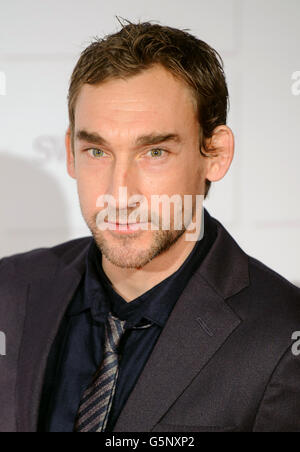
(149,144)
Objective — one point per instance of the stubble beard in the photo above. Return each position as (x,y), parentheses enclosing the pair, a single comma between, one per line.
(125,252)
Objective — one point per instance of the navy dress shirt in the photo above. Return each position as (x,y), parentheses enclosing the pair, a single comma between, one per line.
(77,350)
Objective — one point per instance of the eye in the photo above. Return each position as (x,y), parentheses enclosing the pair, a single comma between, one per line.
(94,152)
(157,152)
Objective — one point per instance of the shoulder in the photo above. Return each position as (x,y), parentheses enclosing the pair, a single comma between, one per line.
(38,261)
(269,308)
(271,286)
(266,302)
(263,285)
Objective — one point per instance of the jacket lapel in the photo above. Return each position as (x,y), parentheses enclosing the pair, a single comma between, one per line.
(50,296)
(197,327)
(195,330)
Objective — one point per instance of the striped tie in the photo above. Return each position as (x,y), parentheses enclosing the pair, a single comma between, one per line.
(97,399)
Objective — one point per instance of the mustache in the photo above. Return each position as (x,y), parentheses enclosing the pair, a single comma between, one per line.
(129,216)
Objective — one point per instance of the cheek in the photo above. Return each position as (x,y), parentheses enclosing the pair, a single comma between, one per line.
(194,174)
(88,179)
(88,192)
(167,183)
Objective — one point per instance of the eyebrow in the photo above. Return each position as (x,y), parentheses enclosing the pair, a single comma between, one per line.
(143,140)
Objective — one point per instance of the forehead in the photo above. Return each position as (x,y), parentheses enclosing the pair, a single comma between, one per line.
(154,95)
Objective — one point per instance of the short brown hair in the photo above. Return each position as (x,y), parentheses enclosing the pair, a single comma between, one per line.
(139,46)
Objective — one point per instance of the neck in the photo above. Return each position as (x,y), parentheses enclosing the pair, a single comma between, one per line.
(130,283)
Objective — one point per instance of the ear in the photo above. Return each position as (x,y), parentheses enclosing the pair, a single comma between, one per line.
(221,151)
(70,156)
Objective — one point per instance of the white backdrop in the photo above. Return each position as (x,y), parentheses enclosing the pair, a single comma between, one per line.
(257,201)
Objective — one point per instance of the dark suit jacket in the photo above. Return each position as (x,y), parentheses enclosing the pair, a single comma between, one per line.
(223,361)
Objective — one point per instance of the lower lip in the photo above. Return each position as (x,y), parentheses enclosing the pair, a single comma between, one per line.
(125,228)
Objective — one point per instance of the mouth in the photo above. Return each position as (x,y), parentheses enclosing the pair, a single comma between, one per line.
(132,222)
(123,224)
(125,228)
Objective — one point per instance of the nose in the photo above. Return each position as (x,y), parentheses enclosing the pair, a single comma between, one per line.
(122,185)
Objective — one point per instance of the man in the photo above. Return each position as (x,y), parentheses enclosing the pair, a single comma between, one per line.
(145,329)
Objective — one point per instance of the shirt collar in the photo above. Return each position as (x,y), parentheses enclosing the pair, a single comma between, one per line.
(155,305)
